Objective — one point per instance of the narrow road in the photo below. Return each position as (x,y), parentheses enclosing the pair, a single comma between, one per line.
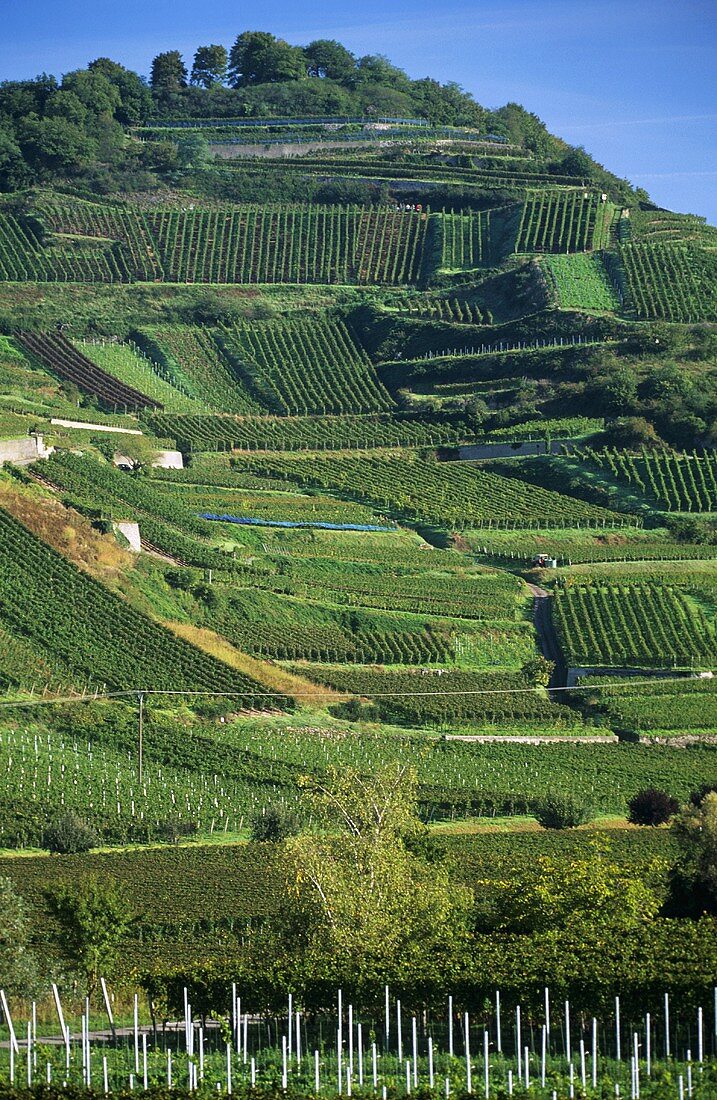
(547,638)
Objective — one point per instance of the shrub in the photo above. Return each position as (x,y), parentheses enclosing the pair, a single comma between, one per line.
(274,823)
(562,812)
(69,834)
(651,807)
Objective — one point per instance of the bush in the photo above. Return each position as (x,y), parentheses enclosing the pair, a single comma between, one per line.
(69,834)
(562,812)
(651,807)
(274,823)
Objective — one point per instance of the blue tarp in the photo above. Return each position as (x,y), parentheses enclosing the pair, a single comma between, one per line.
(251,521)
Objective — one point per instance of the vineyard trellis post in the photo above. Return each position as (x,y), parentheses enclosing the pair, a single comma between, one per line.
(140,737)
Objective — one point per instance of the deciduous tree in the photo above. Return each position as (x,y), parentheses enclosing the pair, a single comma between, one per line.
(260,58)
(210,66)
(92,918)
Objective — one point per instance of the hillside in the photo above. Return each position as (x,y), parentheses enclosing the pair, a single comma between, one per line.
(349,429)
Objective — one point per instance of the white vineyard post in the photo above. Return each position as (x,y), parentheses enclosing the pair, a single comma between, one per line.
(486,1064)
(359,1047)
(14,1048)
(498,1036)
(518,1043)
(595,1054)
(648,1045)
(414,1037)
(338,1060)
(136,1034)
(469,1085)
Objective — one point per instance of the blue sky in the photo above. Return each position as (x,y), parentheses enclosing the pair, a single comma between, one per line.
(634,81)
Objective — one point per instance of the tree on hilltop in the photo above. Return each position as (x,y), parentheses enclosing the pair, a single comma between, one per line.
(329,60)
(169,73)
(210,66)
(258,57)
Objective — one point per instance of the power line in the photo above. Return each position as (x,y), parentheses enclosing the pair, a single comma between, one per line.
(136,693)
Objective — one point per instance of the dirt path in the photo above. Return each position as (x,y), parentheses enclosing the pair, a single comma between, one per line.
(547,638)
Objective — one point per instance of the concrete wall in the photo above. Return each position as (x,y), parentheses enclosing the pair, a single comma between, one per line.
(165,460)
(131,533)
(24,451)
(169,460)
(93,427)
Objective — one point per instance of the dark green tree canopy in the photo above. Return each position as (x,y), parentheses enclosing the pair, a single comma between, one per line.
(258,57)
(135,96)
(169,73)
(330,60)
(210,66)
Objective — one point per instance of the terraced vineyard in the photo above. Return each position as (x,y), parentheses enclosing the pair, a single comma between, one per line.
(454,310)
(642,625)
(290,244)
(195,363)
(24,257)
(100,489)
(570,547)
(63,359)
(447,494)
(677,482)
(684,706)
(127,364)
(310,433)
(665,227)
(466,240)
(285,628)
(482,596)
(581,282)
(306,366)
(64,614)
(93,242)
(564,221)
(671,282)
(75,217)
(441,697)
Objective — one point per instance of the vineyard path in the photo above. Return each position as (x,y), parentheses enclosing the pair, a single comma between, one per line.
(547,638)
